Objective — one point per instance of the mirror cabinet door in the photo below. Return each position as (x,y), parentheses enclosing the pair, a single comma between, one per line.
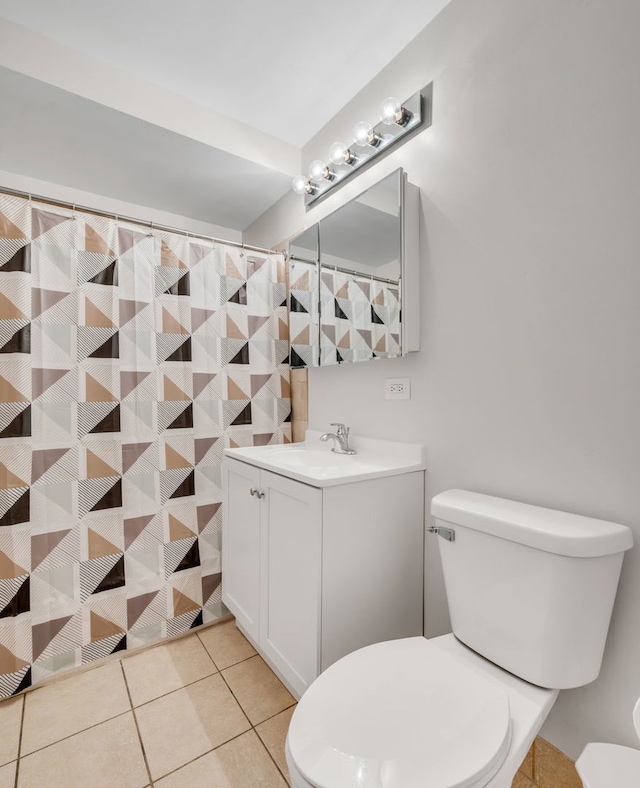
(304,319)
(360,250)
(357,254)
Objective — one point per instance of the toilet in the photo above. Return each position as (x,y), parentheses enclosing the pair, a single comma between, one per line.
(598,762)
(530,594)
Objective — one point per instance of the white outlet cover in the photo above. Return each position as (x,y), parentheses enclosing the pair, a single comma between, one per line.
(397,388)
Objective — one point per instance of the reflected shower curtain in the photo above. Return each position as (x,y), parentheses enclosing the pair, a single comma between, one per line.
(360,317)
(128,361)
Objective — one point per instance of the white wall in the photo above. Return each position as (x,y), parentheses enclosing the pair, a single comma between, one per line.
(56,191)
(527,385)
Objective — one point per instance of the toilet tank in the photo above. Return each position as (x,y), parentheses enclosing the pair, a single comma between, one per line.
(530,589)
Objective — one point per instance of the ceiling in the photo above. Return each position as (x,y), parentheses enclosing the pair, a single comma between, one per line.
(200,107)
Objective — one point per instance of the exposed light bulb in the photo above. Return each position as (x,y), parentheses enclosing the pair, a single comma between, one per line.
(392,112)
(301,185)
(363,134)
(318,171)
(339,153)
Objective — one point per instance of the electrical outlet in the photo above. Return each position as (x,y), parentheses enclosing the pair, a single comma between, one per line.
(397,388)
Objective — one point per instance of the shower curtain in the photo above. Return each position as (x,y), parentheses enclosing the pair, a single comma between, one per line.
(129,358)
(360,317)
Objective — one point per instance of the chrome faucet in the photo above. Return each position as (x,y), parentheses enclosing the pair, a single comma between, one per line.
(340,437)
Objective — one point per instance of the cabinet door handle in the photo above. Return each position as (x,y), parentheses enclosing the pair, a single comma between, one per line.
(258,493)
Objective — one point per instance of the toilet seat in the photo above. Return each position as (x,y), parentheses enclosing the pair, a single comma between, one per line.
(400,714)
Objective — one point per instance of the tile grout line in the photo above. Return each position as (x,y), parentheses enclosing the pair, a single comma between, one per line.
(184,686)
(284,777)
(253,727)
(135,722)
(77,733)
(202,755)
(132,709)
(18,755)
(244,659)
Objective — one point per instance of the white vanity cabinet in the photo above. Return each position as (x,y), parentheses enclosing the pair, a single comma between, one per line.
(271,564)
(312,573)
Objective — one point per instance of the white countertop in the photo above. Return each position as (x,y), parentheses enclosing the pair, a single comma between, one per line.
(313,462)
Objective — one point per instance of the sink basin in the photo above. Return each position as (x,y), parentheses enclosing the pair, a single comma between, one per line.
(310,458)
(314,463)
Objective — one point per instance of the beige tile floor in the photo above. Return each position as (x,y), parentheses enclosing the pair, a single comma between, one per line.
(204,710)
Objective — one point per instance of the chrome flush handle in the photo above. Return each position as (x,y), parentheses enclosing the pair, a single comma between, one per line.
(446,533)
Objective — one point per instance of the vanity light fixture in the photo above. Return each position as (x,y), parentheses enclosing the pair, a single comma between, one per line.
(302,185)
(398,121)
(392,111)
(339,153)
(363,134)
(318,171)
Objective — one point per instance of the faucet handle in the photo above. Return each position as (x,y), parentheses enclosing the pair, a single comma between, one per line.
(342,430)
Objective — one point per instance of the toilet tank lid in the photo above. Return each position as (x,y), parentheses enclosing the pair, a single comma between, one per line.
(544,529)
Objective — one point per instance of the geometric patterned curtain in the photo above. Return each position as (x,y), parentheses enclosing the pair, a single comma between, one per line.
(360,317)
(303,313)
(128,360)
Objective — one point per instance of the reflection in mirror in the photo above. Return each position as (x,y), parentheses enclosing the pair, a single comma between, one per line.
(303,299)
(303,313)
(360,317)
(345,279)
(305,245)
(360,246)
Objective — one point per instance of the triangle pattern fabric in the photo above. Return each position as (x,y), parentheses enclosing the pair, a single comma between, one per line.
(182,603)
(21,601)
(130,380)
(109,423)
(99,546)
(206,513)
(296,306)
(182,353)
(103,628)
(178,530)
(137,605)
(9,310)
(129,309)
(20,342)
(18,512)
(135,526)
(42,300)
(43,221)
(111,499)
(97,467)
(175,460)
(110,484)
(9,229)
(108,349)
(43,634)
(108,276)
(94,242)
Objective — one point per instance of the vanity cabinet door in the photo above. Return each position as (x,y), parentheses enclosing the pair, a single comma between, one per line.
(241,545)
(291,546)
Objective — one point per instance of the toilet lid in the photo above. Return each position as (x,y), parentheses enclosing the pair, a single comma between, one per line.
(400,714)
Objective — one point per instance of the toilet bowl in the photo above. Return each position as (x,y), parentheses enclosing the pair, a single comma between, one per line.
(413,713)
(600,764)
(530,594)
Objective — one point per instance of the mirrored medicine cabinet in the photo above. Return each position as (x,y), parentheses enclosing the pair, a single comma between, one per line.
(353,279)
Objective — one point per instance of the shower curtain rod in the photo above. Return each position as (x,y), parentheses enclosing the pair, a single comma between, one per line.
(75,207)
(350,271)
